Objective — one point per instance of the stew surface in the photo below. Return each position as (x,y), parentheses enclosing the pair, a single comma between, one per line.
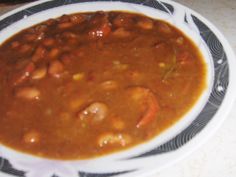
(89,84)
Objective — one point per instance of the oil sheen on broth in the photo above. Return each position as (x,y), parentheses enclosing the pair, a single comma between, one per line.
(90,84)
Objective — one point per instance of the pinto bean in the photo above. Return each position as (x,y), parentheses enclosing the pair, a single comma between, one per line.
(64,18)
(123,20)
(39,53)
(184,58)
(118,124)
(109,85)
(121,32)
(113,138)
(161,45)
(40,36)
(76,19)
(78,53)
(65,25)
(78,76)
(145,23)
(28,93)
(135,76)
(97,111)
(39,73)
(164,28)
(69,35)
(67,59)
(41,28)
(30,37)
(76,103)
(48,42)
(120,66)
(50,22)
(29,68)
(31,137)
(180,40)
(55,68)
(15,44)
(162,65)
(53,53)
(100,31)
(25,48)
(72,42)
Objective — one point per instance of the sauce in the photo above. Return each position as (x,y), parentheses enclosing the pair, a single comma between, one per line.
(90,84)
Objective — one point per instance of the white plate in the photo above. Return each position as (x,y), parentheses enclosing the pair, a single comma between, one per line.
(174,143)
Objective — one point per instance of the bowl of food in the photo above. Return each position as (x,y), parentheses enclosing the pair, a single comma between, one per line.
(108,88)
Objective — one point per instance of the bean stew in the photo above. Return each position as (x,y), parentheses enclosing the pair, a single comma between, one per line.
(90,84)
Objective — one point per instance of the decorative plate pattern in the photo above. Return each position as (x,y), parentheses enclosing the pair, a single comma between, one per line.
(140,163)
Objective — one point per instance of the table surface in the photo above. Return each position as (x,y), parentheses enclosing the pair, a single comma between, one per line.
(217,157)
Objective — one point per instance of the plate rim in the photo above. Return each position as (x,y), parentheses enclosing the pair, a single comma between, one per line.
(229,96)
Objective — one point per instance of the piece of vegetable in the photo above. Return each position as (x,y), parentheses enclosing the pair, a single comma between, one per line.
(151,111)
(149,105)
(78,76)
(22,76)
(172,66)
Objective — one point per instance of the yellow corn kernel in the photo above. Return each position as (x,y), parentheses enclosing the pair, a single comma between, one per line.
(78,76)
